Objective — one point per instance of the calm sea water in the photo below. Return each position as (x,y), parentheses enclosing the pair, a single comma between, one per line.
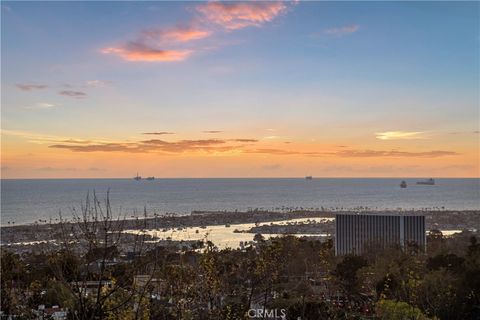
(26,201)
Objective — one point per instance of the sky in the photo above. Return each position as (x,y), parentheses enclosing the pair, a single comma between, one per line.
(240,89)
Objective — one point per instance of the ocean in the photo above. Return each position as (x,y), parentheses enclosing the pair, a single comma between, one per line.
(27,201)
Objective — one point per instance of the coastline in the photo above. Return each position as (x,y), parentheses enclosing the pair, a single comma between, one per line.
(22,237)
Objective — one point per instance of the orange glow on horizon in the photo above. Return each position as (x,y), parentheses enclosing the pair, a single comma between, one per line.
(26,158)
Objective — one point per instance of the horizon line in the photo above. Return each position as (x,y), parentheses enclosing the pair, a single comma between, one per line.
(293,177)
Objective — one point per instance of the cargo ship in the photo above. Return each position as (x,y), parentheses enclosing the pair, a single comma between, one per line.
(428,182)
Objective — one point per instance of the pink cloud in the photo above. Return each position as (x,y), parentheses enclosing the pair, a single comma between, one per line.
(135,51)
(168,44)
(176,34)
(237,15)
(150,44)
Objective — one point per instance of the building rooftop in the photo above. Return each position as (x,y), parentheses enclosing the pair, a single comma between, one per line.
(386,213)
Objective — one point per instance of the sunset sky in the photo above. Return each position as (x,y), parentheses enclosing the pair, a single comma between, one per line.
(257,89)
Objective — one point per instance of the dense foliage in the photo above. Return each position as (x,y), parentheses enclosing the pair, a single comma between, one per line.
(301,277)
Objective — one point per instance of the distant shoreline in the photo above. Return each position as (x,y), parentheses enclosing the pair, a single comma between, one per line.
(219,217)
(436,219)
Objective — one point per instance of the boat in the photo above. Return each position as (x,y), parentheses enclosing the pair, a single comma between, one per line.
(150,178)
(403,184)
(137,177)
(308,178)
(428,182)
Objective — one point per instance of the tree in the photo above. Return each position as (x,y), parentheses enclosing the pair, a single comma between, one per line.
(346,271)
(470,281)
(59,294)
(449,261)
(437,294)
(397,310)
(258,237)
(88,246)
(12,272)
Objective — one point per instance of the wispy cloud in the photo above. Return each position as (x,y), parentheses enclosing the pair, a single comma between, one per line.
(400,135)
(237,145)
(76,141)
(61,169)
(237,15)
(157,145)
(358,153)
(73,94)
(335,32)
(465,132)
(42,105)
(43,138)
(154,145)
(97,83)
(212,131)
(30,87)
(159,133)
(281,152)
(394,154)
(342,30)
(245,140)
(53,169)
(88,84)
(211,146)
